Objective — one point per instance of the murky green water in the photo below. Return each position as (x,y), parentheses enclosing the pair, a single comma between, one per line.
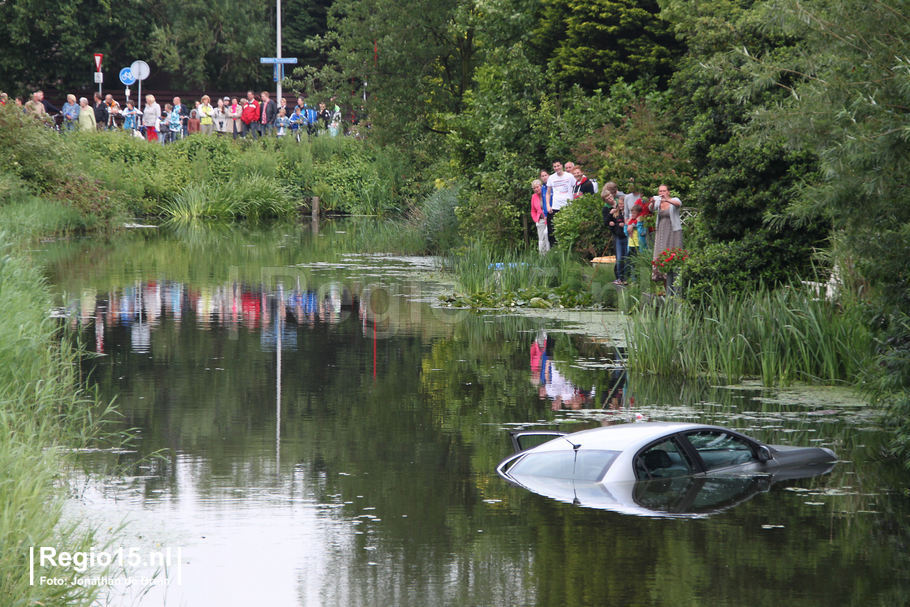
(329,437)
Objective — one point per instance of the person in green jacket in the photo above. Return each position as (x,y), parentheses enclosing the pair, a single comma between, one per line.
(204,111)
(86,116)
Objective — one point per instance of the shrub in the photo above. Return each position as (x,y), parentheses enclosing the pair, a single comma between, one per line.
(580,228)
(29,150)
(739,265)
(643,147)
(438,222)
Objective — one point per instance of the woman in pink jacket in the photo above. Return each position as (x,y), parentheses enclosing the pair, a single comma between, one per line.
(540,219)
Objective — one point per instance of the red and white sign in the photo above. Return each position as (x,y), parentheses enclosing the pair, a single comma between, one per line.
(98,57)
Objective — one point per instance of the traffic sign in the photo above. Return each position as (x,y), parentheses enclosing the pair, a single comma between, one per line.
(98,57)
(126,76)
(99,77)
(140,69)
(278,60)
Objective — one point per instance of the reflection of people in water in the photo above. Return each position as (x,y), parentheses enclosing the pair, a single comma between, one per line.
(615,398)
(562,392)
(538,352)
(550,382)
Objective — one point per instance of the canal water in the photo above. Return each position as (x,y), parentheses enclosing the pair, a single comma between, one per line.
(311,428)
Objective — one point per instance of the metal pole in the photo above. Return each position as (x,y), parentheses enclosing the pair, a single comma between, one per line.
(139,94)
(279,69)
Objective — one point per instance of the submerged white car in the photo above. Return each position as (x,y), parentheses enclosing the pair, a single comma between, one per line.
(700,468)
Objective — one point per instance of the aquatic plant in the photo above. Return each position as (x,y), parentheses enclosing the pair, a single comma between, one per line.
(780,336)
(41,410)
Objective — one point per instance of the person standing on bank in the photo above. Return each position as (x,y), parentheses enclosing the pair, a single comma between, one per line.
(70,113)
(205,114)
(583,185)
(234,125)
(269,111)
(667,226)
(100,112)
(86,116)
(151,113)
(539,217)
(220,118)
(614,217)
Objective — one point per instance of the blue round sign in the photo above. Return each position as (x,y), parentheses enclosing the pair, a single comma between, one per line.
(126,76)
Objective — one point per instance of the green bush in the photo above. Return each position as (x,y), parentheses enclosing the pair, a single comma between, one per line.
(580,228)
(31,151)
(643,147)
(739,266)
(438,222)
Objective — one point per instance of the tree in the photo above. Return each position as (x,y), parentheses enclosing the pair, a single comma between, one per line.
(302,22)
(414,60)
(742,178)
(594,43)
(52,43)
(212,43)
(851,105)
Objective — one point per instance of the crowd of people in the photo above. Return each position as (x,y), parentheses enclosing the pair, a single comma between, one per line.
(624,214)
(253,116)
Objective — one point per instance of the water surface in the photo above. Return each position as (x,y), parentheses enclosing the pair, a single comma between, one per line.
(328,436)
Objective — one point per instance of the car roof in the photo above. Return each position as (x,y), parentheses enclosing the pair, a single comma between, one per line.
(619,437)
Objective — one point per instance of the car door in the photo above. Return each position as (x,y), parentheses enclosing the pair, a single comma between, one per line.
(665,458)
(722,452)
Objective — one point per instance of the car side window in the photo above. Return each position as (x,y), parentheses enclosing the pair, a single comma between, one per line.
(663,460)
(719,449)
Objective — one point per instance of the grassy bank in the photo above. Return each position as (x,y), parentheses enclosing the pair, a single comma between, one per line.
(780,336)
(110,175)
(206,177)
(43,412)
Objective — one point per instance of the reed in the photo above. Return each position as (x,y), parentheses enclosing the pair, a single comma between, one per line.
(479,268)
(41,410)
(782,336)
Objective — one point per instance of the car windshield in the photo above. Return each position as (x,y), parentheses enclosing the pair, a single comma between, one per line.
(582,465)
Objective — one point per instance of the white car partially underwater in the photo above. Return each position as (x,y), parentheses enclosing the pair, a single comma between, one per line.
(656,468)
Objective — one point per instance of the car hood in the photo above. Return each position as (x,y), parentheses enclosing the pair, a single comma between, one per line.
(800,462)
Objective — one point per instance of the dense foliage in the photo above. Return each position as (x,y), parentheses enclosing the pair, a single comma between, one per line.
(783,123)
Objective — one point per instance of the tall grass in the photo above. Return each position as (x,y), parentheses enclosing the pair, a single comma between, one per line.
(41,410)
(252,196)
(780,336)
(24,215)
(479,268)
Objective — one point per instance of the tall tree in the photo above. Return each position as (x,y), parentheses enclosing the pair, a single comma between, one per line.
(851,105)
(741,179)
(594,43)
(302,22)
(212,43)
(415,61)
(52,43)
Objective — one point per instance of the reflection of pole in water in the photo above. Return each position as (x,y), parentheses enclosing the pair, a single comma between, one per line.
(278,320)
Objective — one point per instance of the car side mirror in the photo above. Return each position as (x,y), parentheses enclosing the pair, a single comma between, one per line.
(764,454)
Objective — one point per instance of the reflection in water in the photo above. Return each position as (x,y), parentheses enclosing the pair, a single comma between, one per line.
(143,307)
(330,438)
(552,384)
